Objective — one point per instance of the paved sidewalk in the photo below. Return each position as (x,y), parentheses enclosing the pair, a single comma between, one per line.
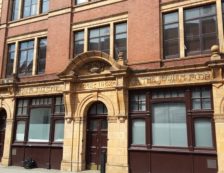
(16,169)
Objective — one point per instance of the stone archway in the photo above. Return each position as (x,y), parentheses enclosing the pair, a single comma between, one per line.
(91,77)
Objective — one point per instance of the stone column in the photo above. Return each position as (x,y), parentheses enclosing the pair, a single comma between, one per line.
(117,154)
(78,162)
(66,164)
(218,102)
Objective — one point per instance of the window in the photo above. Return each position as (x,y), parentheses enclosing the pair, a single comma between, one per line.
(202,139)
(28,8)
(169,127)
(20,130)
(120,40)
(44,6)
(15,10)
(39,125)
(200,29)
(10,60)
(171,35)
(59,105)
(26,58)
(42,46)
(138,132)
(79,42)
(165,119)
(99,39)
(77,2)
(199,34)
(38,121)
(201,98)
(138,102)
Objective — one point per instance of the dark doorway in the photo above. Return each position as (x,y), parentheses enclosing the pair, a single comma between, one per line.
(96,135)
(2,131)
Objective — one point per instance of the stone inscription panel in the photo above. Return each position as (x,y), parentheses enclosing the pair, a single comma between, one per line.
(96,85)
(40,90)
(170,79)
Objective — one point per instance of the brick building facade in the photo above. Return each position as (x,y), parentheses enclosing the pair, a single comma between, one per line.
(139,80)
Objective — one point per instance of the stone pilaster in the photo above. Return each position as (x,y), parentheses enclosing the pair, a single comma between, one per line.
(218,100)
(9,105)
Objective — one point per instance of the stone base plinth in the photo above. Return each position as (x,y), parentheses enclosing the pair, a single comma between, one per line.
(116,168)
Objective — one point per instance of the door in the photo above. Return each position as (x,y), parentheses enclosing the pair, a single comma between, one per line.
(2,131)
(96,135)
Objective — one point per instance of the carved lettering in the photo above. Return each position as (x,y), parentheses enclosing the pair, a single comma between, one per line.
(40,90)
(96,85)
(170,79)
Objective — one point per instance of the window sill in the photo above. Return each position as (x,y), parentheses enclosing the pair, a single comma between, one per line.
(36,144)
(186,57)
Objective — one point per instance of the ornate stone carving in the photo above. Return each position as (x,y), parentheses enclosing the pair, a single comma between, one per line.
(219,118)
(122,118)
(171,79)
(40,90)
(97,85)
(96,67)
(69,119)
(112,119)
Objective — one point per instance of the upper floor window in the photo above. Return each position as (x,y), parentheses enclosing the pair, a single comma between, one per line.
(29,8)
(42,50)
(44,6)
(25,65)
(77,2)
(79,42)
(200,26)
(26,8)
(15,10)
(99,39)
(197,37)
(28,62)
(10,59)
(120,39)
(171,35)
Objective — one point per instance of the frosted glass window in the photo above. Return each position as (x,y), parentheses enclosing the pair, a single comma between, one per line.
(59,131)
(138,132)
(20,131)
(169,124)
(39,127)
(203,133)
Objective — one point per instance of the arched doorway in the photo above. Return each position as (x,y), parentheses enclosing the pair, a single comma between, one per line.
(96,134)
(2,131)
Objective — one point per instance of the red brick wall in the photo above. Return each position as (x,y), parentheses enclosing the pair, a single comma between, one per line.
(58,43)
(28,28)
(143,31)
